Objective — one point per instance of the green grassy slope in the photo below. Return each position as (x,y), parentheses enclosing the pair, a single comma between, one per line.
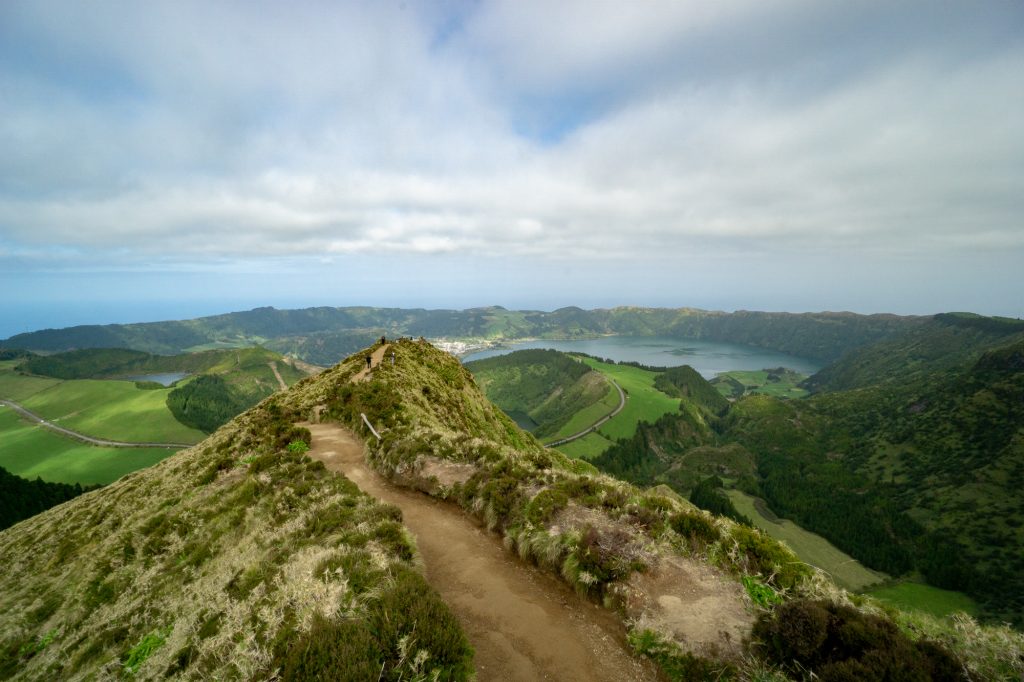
(238,558)
(116,410)
(644,402)
(30,451)
(541,389)
(232,560)
(779,382)
(810,547)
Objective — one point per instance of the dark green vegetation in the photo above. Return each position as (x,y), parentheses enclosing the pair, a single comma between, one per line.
(779,382)
(708,495)
(236,559)
(841,643)
(206,403)
(240,558)
(21,498)
(228,382)
(325,335)
(909,457)
(540,389)
(685,382)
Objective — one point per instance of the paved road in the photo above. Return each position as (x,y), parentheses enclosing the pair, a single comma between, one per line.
(598,423)
(28,414)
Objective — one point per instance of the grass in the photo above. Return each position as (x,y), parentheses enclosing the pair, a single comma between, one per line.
(588,447)
(14,386)
(756,381)
(809,547)
(112,409)
(920,597)
(589,414)
(643,403)
(28,450)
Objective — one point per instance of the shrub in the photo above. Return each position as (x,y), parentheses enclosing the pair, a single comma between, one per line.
(695,528)
(837,642)
(761,554)
(544,505)
(410,618)
(338,649)
(298,447)
(137,655)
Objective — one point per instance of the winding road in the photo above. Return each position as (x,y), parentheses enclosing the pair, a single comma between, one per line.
(32,416)
(596,425)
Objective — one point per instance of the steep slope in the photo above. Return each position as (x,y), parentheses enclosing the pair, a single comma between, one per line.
(243,558)
(945,342)
(237,558)
(915,466)
(540,389)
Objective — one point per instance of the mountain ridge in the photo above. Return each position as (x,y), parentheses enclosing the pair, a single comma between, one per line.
(324,335)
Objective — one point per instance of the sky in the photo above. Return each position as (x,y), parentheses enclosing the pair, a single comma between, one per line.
(168,159)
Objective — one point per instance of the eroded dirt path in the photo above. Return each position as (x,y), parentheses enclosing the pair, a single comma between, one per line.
(523,623)
(280,381)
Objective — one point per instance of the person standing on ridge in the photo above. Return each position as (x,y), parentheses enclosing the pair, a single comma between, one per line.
(369,359)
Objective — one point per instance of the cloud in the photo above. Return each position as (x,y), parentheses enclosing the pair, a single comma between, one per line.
(197,133)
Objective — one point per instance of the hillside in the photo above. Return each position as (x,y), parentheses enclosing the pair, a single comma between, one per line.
(215,385)
(915,466)
(296,571)
(542,390)
(234,559)
(325,335)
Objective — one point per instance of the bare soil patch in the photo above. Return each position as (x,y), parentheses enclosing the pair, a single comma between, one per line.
(706,613)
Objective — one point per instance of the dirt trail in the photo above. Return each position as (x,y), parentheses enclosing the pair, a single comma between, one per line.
(280,381)
(375,359)
(524,624)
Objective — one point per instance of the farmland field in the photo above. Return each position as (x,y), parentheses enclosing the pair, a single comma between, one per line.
(589,414)
(643,403)
(115,410)
(809,547)
(919,597)
(29,450)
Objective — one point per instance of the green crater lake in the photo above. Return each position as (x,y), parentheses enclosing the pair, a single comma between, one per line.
(710,358)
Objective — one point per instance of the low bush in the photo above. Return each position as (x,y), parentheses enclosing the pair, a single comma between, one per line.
(759,554)
(695,528)
(839,643)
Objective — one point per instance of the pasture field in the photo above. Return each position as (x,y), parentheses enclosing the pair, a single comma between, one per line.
(16,387)
(919,597)
(809,547)
(28,450)
(643,402)
(116,410)
(589,414)
(588,447)
(758,381)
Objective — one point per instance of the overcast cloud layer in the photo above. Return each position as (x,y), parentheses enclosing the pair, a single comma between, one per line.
(786,155)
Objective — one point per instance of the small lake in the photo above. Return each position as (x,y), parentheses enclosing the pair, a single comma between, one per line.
(710,358)
(165,379)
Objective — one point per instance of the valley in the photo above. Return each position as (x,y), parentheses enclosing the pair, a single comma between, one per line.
(678,448)
(117,425)
(818,463)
